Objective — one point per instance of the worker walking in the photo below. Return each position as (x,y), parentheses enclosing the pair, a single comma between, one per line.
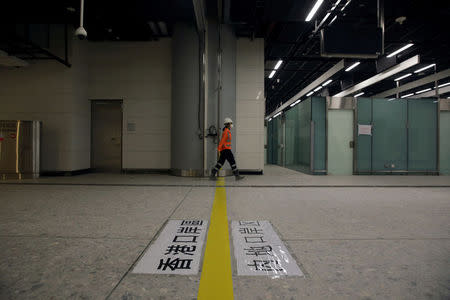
(225,152)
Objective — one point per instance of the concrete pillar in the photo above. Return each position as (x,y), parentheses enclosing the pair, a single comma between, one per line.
(186,145)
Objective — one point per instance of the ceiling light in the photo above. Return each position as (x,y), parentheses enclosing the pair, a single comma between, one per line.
(272,73)
(326,17)
(348,2)
(277,114)
(391,99)
(352,66)
(71,9)
(310,93)
(402,77)
(327,82)
(295,103)
(400,50)
(317,88)
(334,19)
(444,84)
(278,64)
(423,91)
(424,68)
(314,10)
(336,4)
(153,27)
(407,95)
(357,95)
(270,119)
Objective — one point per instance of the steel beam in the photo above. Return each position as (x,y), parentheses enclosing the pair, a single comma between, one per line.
(381,76)
(414,84)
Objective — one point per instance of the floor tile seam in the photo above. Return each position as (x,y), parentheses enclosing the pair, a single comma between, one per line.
(233,186)
(148,244)
(106,184)
(338,186)
(73,237)
(368,239)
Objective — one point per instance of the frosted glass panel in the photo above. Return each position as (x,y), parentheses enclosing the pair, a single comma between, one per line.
(292,137)
(389,135)
(340,134)
(318,116)
(422,135)
(444,139)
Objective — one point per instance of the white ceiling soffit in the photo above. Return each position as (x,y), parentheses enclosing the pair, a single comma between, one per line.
(11,61)
(324,77)
(381,76)
(414,84)
(432,93)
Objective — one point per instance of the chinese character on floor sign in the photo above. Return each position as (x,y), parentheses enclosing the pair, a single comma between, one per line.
(266,265)
(254,239)
(192,222)
(193,230)
(254,230)
(174,264)
(258,251)
(249,223)
(183,249)
(185,239)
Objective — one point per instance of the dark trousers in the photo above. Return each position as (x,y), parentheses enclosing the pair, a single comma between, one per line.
(226,155)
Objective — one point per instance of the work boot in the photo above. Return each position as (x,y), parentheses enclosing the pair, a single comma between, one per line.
(239,177)
(213,175)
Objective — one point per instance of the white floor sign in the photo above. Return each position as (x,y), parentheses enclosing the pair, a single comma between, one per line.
(259,251)
(177,250)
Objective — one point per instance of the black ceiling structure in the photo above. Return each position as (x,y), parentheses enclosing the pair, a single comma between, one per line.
(281,23)
(289,38)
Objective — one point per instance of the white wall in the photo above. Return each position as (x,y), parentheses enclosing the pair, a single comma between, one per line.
(139,73)
(53,93)
(250,104)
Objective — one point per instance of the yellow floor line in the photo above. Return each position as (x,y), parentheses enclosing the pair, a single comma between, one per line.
(216,282)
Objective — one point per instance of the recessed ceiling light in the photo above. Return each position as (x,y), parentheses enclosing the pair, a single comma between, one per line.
(423,91)
(314,10)
(295,103)
(402,77)
(348,2)
(407,95)
(310,93)
(424,68)
(336,4)
(360,94)
(352,66)
(444,84)
(400,50)
(278,64)
(318,88)
(272,73)
(327,82)
(334,19)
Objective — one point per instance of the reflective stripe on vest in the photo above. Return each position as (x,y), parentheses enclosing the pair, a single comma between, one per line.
(227,143)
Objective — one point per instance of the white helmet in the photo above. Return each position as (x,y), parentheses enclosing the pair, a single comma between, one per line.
(227,120)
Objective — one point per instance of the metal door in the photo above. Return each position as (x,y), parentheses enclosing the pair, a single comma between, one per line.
(106,137)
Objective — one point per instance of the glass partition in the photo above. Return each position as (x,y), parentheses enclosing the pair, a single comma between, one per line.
(402,139)
(389,135)
(422,134)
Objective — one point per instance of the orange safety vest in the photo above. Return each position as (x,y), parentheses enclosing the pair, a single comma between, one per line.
(225,141)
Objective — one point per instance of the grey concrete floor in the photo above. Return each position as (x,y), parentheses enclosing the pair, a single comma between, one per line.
(355,237)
